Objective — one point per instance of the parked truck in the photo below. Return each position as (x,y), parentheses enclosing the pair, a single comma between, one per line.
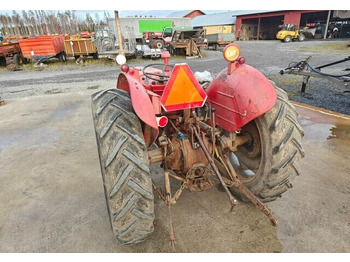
(221,39)
(140,25)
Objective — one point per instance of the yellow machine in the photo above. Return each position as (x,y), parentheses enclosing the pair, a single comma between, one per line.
(290,33)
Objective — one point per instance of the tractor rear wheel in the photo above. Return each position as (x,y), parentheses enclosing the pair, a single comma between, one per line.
(124,166)
(268,162)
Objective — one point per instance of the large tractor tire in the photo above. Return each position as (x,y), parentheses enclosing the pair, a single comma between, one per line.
(124,166)
(268,163)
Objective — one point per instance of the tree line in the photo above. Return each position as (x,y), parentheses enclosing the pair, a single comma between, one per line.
(45,22)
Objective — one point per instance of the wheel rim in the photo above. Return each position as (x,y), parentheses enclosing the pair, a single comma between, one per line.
(247,159)
(287,39)
(159,45)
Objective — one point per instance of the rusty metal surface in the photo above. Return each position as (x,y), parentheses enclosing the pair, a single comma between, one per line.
(197,178)
(9,49)
(190,41)
(247,193)
(182,156)
(233,201)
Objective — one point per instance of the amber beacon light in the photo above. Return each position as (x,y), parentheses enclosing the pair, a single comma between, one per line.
(231,52)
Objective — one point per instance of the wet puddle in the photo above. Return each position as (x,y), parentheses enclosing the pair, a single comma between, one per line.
(323,125)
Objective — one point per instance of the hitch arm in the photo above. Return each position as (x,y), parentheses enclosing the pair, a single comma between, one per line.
(256,201)
(233,201)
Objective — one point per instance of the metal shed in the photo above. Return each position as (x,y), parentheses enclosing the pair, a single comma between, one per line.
(255,25)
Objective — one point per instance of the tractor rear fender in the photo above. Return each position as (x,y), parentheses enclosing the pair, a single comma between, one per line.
(141,104)
(240,97)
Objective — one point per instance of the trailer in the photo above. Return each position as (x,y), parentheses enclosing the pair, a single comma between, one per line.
(188,42)
(140,25)
(132,30)
(11,51)
(107,42)
(42,48)
(220,39)
(80,47)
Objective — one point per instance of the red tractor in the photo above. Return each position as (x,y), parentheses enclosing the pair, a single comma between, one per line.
(239,130)
(153,39)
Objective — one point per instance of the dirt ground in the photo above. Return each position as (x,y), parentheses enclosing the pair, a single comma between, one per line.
(52,199)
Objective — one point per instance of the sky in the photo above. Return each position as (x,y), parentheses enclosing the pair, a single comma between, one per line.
(156,13)
(125,13)
(163,8)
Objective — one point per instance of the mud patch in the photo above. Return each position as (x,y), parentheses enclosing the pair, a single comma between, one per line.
(17,91)
(93,87)
(53,91)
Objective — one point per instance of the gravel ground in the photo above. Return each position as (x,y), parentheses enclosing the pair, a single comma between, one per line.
(267,56)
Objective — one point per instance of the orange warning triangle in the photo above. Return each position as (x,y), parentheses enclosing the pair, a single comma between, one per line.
(182,90)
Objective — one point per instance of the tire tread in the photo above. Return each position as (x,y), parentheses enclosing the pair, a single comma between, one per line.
(124,166)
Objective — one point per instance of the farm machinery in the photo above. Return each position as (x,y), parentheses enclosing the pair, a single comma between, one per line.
(289,33)
(11,51)
(239,130)
(305,69)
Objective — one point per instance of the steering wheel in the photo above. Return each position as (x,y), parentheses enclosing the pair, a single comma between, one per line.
(162,77)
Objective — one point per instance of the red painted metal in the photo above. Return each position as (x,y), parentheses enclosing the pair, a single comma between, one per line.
(141,102)
(42,46)
(194,13)
(8,49)
(240,97)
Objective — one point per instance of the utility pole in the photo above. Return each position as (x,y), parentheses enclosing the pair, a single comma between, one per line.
(120,41)
(326,30)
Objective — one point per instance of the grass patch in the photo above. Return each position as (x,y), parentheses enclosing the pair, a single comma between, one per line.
(326,48)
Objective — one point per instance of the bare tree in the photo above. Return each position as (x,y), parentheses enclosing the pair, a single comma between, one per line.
(39,22)
(28,30)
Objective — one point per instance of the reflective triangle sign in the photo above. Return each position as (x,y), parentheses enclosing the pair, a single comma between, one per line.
(182,90)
